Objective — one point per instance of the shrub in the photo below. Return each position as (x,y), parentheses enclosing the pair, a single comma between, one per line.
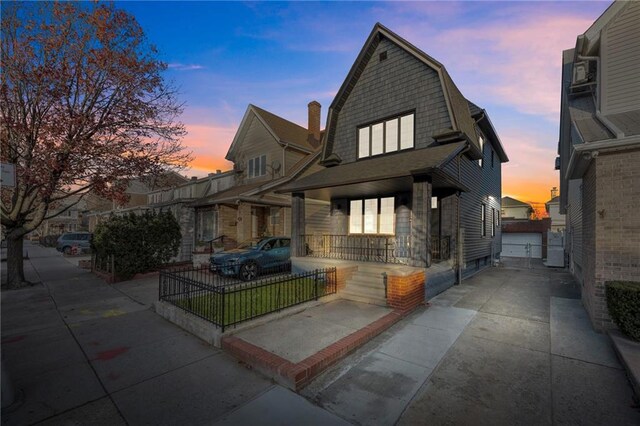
(138,243)
(623,301)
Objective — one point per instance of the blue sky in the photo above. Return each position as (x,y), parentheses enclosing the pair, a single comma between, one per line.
(504,56)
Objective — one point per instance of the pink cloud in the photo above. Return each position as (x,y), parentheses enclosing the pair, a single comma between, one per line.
(209,144)
(516,62)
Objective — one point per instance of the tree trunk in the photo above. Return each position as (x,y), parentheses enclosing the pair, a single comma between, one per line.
(15,262)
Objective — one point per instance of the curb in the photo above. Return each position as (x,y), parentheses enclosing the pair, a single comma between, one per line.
(628,352)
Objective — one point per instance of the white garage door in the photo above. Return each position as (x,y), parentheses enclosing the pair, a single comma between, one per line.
(516,245)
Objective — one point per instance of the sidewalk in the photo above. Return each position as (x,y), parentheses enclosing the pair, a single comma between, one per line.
(79,351)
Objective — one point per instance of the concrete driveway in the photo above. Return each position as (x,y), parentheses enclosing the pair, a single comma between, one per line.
(508,346)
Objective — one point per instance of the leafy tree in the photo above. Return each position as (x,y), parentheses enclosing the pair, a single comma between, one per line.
(138,243)
(83,107)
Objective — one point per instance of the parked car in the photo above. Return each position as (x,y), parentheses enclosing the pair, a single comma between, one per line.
(253,257)
(68,240)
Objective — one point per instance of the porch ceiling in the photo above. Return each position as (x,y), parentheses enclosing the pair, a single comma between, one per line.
(443,185)
(386,174)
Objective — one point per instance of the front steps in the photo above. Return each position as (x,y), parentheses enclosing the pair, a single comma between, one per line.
(366,285)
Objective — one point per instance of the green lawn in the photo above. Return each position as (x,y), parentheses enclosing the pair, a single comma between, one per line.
(245,303)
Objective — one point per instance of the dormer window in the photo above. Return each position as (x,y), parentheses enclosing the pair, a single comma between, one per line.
(386,136)
(257,166)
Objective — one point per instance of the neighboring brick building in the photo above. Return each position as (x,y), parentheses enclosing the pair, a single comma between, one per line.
(599,159)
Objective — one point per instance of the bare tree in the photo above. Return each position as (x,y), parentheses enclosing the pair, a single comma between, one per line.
(84,108)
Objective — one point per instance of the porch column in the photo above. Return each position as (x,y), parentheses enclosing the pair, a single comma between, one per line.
(421,223)
(297,225)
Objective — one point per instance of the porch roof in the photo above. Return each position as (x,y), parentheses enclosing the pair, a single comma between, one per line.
(387,173)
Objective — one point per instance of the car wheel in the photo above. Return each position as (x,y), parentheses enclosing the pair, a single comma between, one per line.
(66,250)
(248,271)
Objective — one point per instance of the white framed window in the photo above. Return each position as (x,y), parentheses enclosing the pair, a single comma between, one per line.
(372,216)
(406,131)
(481,140)
(257,166)
(483,219)
(493,222)
(355,217)
(386,136)
(387,209)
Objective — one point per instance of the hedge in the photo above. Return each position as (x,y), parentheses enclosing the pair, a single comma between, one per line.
(138,243)
(623,301)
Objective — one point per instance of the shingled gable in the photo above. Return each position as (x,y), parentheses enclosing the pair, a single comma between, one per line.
(283,131)
(484,123)
(462,123)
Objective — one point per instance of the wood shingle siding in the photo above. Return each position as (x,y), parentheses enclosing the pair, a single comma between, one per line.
(389,88)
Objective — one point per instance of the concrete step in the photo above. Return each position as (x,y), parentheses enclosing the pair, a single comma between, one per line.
(366,291)
(366,281)
(368,274)
(356,297)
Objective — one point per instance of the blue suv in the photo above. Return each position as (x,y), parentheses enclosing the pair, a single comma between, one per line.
(253,257)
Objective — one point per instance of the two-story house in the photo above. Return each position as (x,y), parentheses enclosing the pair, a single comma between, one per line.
(515,209)
(599,155)
(267,151)
(412,173)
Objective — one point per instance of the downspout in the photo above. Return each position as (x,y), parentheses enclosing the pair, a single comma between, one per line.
(458,234)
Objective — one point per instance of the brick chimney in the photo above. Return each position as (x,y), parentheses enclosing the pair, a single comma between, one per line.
(314,123)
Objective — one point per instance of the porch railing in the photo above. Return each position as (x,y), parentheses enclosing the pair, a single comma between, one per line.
(362,248)
(440,247)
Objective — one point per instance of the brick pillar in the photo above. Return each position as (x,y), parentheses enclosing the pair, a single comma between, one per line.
(421,224)
(297,225)
(405,292)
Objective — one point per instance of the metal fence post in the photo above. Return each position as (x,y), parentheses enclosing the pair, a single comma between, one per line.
(222,321)
(315,284)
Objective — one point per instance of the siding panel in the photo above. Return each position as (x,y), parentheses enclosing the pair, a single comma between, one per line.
(621,61)
(398,84)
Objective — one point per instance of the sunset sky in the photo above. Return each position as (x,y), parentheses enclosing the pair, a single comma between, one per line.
(504,56)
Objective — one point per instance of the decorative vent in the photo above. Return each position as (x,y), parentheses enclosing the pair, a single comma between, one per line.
(383,56)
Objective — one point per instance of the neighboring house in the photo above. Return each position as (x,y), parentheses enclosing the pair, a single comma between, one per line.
(68,219)
(179,199)
(515,209)
(267,151)
(558,220)
(412,173)
(599,150)
(137,191)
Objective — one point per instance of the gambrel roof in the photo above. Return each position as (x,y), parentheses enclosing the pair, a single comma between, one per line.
(457,105)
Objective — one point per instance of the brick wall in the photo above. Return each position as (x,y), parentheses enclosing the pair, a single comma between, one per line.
(611,228)
(405,292)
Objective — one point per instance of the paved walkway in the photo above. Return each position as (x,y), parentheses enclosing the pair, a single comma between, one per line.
(509,346)
(79,351)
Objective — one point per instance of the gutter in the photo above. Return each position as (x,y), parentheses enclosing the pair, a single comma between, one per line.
(588,150)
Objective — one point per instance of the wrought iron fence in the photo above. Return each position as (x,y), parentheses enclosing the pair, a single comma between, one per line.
(366,248)
(226,303)
(440,248)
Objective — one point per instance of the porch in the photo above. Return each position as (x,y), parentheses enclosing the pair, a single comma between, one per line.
(395,249)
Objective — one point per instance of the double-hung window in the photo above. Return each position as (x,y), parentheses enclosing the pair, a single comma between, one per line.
(483,219)
(481,140)
(257,166)
(371,216)
(386,136)
(493,222)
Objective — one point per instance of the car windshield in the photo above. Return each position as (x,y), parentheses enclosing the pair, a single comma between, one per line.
(250,244)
